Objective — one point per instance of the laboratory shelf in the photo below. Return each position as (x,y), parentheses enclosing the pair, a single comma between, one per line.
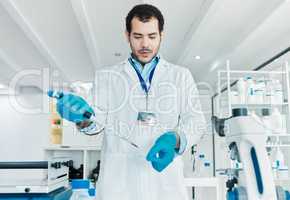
(230,75)
(227,101)
(278,135)
(216,182)
(266,105)
(85,150)
(252,72)
(73,148)
(282,179)
(277,146)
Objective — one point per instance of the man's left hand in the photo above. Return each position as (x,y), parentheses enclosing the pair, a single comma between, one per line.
(163,151)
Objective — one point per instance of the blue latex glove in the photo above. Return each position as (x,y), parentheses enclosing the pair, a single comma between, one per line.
(71,107)
(163,151)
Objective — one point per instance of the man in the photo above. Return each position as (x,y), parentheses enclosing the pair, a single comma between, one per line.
(149,112)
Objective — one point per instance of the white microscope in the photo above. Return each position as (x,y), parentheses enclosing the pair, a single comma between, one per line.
(246,138)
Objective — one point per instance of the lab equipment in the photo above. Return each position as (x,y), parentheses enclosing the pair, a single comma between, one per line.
(278,122)
(235,97)
(82,190)
(163,151)
(250,85)
(56,132)
(257,91)
(59,194)
(283,173)
(274,93)
(247,140)
(277,92)
(267,120)
(241,87)
(95,172)
(260,91)
(281,167)
(76,173)
(71,107)
(274,121)
(55,177)
(193,159)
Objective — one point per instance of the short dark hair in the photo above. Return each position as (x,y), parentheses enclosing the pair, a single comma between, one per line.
(144,12)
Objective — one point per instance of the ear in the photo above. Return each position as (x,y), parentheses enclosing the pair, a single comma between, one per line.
(127,35)
(161,35)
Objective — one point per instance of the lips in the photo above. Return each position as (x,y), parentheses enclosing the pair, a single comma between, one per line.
(144,53)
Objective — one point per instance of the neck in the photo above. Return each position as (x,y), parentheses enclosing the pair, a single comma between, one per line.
(136,58)
(142,63)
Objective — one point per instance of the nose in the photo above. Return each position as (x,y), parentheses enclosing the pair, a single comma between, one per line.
(145,42)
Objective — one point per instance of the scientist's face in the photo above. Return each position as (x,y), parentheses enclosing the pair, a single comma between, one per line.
(144,39)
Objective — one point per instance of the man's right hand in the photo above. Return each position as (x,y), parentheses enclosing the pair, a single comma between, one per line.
(71,107)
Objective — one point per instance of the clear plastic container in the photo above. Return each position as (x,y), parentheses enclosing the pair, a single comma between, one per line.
(283,173)
(278,122)
(267,120)
(56,130)
(82,190)
(251,97)
(260,91)
(235,97)
(241,89)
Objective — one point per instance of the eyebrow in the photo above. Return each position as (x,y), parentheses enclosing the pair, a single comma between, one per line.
(138,34)
(150,34)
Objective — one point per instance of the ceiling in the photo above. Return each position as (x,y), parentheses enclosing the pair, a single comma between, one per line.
(68,39)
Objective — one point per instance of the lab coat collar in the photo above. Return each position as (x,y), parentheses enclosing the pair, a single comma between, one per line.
(159,71)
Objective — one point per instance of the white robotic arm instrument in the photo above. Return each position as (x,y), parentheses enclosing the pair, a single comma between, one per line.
(247,141)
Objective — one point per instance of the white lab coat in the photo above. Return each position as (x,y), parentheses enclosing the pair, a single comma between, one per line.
(125,173)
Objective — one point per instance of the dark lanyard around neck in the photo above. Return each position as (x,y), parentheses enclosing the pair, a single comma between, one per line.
(142,81)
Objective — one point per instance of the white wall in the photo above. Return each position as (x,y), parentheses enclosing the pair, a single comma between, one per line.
(22,135)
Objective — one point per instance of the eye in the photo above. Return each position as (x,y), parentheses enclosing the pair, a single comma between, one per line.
(152,37)
(137,37)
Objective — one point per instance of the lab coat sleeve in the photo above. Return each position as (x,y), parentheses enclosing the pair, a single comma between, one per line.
(100,104)
(192,124)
